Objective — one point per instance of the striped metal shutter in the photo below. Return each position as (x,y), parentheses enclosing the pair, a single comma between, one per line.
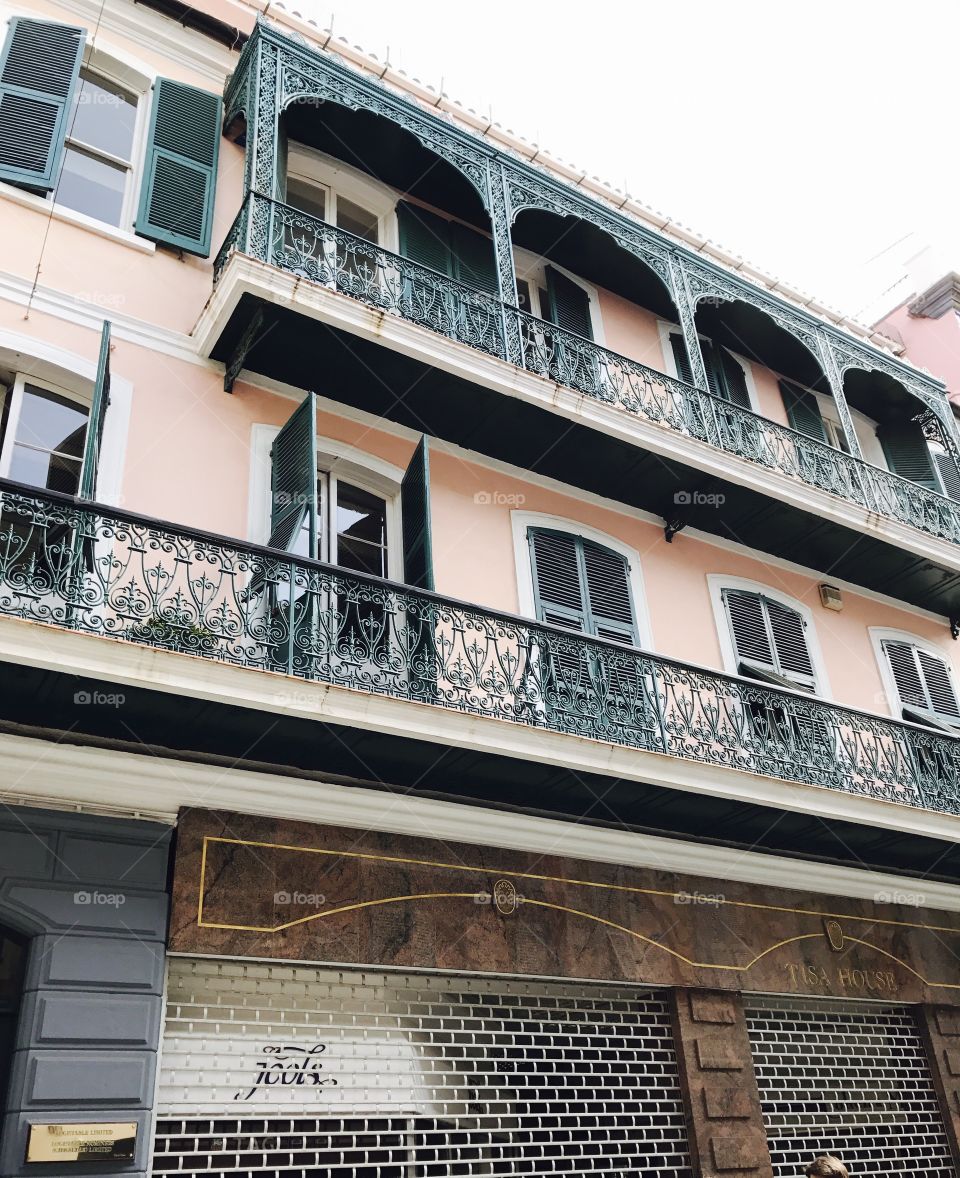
(850,1079)
(179,184)
(285,1071)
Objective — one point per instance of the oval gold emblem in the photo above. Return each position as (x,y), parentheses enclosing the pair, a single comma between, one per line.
(834,933)
(505,897)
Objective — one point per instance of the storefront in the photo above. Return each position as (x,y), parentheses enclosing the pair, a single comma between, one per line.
(488,1012)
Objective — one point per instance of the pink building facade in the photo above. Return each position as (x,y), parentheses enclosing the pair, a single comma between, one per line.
(480,667)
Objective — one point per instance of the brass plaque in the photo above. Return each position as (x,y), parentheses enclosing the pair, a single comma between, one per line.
(82,1142)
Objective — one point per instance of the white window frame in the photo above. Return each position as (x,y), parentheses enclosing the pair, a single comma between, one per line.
(531,268)
(70,376)
(894,704)
(717,582)
(310,166)
(665,329)
(863,426)
(521,521)
(336,460)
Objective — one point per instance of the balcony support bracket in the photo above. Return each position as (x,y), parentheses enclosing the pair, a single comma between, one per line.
(672,527)
(253,333)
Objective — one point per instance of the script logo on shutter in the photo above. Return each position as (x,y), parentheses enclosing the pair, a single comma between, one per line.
(288,1065)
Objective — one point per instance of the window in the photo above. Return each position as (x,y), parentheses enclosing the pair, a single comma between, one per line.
(323,202)
(549,294)
(97,170)
(924,683)
(769,640)
(726,375)
(352,527)
(581,585)
(43,437)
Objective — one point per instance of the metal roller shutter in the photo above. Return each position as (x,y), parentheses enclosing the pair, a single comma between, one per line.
(273,1070)
(846,1078)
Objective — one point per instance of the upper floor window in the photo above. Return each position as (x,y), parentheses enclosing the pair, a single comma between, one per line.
(924,683)
(582,585)
(44,433)
(96,176)
(549,294)
(726,374)
(69,130)
(769,639)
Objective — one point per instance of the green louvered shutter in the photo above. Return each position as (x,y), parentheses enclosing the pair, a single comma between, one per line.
(294,505)
(924,682)
(908,454)
(680,357)
(558,583)
(98,410)
(803,411)
(473,259)
(949,474)
(734,379)
(711,366)
(38,74)
(608,593)
(417,529)
(569,304)
(179,183)
(424,238)
(768,637)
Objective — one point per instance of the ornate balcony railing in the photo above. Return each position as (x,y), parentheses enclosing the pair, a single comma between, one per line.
(96,570)
(302,244)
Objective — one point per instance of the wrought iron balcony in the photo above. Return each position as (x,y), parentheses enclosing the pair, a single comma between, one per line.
(94,570)
(297,242)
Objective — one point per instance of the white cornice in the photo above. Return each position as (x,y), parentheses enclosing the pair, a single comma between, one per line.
(81,778)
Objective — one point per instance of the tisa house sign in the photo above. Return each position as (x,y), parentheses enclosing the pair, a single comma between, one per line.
(288,1065)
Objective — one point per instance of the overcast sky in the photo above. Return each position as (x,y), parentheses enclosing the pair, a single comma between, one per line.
(817,140)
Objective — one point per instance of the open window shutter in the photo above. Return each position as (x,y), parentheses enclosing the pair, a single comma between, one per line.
(906,674)
(908,454)
(734,379)
(293,483)
(943,699)
(711,364)
(608,592)
(680,357)
(177,195)
(790,642)
(557,580)
(424,238)
(473,259)
(949,474)
(803,411)
(98,410)
(415,509)
(570,304)
(40,65)
(749,627)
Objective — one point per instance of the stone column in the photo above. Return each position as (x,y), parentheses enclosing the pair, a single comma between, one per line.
(727,1137)
(940,1027)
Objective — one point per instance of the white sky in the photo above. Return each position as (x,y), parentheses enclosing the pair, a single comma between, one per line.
(807,137)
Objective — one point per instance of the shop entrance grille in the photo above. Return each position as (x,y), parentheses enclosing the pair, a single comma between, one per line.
(850,1079)
(416,1077)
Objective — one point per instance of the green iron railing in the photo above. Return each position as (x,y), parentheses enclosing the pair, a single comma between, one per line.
(282,236)
(95,570)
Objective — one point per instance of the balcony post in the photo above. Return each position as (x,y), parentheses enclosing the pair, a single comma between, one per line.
(835,379)
(687,313)
(500,225)
(263,144)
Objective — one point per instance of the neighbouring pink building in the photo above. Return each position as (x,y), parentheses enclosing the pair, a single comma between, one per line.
(479,682)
